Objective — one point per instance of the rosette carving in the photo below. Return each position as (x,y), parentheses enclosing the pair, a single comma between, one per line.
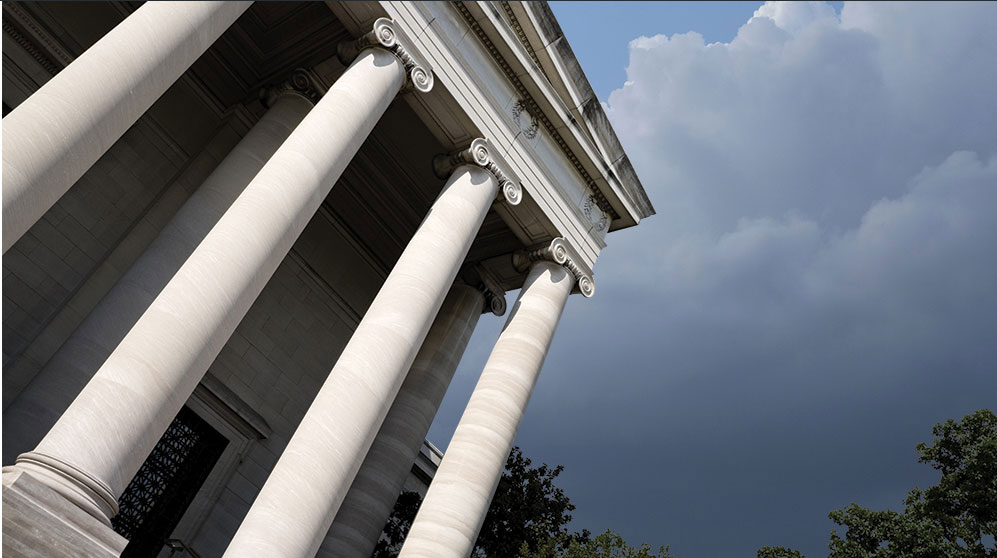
(594,213)
(561,253)
(385,34)
(302,82)
(483,154)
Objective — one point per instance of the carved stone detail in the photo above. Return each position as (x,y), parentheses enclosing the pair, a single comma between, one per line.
(494,294)
(523,40)
(302,82)
(595,214)
(483,154)
(561,253)
(385,34)
(478,276)
(494,301)
(526,122)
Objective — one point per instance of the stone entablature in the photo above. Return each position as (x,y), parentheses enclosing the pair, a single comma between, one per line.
(499,88)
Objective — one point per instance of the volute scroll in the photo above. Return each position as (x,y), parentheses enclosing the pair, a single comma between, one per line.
(560,252)
(386,34)
(483,153)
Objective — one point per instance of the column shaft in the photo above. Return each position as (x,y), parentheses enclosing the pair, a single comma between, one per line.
(295,508)
(43,401)
(54,136)
(357,527)
(98,444)
(455,506)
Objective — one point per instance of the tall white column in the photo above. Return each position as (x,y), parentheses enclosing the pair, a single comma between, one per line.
(54,136)
(296,506)
(99,443)
(39,406)
(455,506)
(357,527)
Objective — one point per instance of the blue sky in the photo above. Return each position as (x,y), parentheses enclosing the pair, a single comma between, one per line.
(816,290)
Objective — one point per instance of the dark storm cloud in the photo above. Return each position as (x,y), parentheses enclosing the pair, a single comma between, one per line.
(816,290)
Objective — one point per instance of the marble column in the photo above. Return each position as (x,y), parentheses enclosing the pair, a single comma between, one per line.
(357,527)
(96,447)
(455,506)
(39,406)
(293,512)
(54,136)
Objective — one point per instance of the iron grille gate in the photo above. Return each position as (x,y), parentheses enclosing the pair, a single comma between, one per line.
(158,496)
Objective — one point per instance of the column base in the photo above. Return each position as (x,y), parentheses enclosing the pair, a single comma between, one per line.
(39,523)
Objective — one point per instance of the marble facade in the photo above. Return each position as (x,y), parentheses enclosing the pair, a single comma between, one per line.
(284,220)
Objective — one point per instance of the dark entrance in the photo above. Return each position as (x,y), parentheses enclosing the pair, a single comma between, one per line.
(158,496)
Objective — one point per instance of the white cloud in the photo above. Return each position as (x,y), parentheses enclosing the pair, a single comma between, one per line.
(823,119)
(796,16)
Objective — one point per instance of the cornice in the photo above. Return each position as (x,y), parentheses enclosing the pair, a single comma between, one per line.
(573,87)
(521,34)
(385,34)
(482,153)
(560,252)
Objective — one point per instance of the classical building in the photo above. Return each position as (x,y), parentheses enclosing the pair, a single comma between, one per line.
(244,247)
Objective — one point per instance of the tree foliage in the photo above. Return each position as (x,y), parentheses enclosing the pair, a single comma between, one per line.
(527,509)
(526,512)
(398,525)
(779,552)
(957,518)
(606,545)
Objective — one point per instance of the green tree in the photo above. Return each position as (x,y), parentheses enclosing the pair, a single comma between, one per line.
(779,552)
(527,510)
(606,545)
(398,525)
(957,518)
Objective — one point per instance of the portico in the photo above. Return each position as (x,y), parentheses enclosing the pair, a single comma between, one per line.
(337,192)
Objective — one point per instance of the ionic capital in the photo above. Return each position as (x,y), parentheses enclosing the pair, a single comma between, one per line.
(559,251)
(477,276)
(483,154)
(385,34)
(303,82)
